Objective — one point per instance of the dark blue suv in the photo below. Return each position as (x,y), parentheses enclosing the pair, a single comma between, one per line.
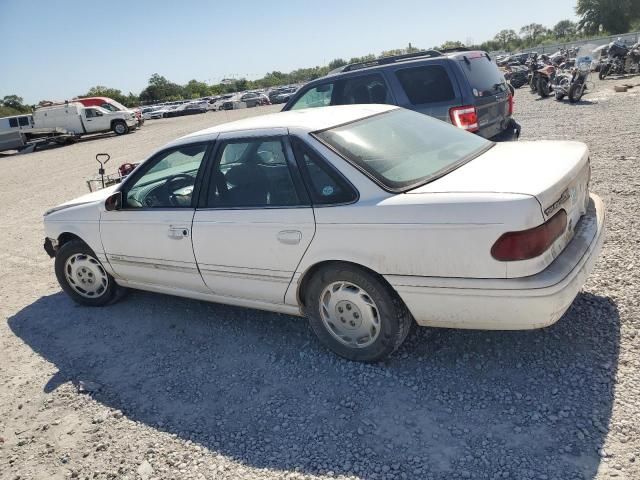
(464,88)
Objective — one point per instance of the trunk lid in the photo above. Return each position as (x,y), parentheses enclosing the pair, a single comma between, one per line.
(556,173)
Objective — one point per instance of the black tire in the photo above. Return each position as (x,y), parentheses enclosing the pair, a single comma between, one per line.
(533,85)
(395,321)
(111,291)
(575,93)
(120,127)
(543,87)
(603,72)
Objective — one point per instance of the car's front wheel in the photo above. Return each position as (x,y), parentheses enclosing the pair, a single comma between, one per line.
(82,276)
(355,313)
(120,128)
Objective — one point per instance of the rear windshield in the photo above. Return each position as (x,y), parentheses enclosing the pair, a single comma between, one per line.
(402,149)
(484,76)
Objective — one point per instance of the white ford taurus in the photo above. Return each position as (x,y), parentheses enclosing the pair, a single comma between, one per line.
(364,218)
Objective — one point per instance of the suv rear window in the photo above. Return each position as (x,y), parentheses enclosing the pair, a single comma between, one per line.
(484,76)
(428,84)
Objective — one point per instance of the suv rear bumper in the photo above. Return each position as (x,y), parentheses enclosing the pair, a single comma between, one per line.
(508,304)
(509,134)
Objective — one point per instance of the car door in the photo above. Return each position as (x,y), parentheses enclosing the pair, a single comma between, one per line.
(254,221)
(95,120)
(148,240)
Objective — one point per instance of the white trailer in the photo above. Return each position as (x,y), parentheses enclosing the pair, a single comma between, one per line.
(18,133)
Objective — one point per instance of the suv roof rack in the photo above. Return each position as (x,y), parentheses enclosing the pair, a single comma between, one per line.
(455,49)
(387,60)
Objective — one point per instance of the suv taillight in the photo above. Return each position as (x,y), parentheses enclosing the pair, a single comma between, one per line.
(465,118)
(510,104)
(530,243)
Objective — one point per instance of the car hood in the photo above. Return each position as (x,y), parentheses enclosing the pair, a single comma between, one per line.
(543,169)
(93,197)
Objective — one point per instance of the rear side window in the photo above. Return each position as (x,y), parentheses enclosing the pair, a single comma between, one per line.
(365,89)
(428,84)
(483,75)
(13,122)
(24,121)
(326,186)
(348,91)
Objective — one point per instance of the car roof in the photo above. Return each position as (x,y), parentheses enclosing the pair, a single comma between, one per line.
(309,119)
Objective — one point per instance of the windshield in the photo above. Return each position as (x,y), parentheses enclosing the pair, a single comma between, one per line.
(402,149)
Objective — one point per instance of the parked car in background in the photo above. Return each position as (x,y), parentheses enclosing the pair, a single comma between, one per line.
(364,218)
(464,88)
(196,107)
(283,95)
(77,119)
(254,99)
(216,102)
(153,112)
(110,105)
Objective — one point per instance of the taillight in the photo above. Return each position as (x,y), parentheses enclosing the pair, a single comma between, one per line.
(530,243)
(465,118)
(510,104)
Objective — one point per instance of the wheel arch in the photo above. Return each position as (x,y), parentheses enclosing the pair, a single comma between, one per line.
(66,237)
(306,276)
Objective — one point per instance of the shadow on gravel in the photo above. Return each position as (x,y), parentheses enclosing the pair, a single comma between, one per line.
(258,388)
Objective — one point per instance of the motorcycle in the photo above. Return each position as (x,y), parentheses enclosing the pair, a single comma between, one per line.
(516,76)
(533,65)
(546,79)
(634,58)
(574,82)
(616,59)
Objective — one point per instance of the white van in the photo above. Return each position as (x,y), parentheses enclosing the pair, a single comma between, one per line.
(79,120)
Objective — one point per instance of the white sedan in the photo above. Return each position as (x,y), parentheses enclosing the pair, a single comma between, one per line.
(364,218)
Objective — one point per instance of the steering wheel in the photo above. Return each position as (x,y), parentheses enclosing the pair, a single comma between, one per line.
(173,183)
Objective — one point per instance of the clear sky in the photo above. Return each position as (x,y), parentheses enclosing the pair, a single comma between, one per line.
(57,49)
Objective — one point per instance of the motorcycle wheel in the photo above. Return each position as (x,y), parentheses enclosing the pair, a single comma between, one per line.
(533,84)
(575,93)
(603,72)
(543,87)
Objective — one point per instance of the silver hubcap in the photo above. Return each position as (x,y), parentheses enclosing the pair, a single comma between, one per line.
(86,276)
(350,314)
(120,128)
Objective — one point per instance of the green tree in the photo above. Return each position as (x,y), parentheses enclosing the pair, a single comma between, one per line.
(564,28)
(14,102)
(450,44)
(505,37)
(615,16)
(533,31)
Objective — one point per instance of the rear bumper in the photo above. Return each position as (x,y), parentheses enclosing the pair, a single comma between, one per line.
(509,134)
(508,304)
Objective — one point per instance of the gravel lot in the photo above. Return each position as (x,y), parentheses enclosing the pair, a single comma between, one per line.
(184,389)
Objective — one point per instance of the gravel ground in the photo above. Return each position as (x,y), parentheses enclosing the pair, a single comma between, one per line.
(157,387)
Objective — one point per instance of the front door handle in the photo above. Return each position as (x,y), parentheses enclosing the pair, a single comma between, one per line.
(290,237)
(178,232)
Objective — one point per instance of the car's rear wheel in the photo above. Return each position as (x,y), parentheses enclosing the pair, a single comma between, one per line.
(82,276)
(355,313)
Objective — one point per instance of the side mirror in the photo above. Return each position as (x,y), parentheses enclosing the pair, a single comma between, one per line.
(113,202)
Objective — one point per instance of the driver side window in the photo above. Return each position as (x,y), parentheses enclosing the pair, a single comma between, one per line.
(169,181)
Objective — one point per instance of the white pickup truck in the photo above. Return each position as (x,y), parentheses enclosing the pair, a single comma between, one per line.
(80,120)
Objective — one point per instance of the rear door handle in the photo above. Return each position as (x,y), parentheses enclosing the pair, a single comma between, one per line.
(178,232)
(290,237)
